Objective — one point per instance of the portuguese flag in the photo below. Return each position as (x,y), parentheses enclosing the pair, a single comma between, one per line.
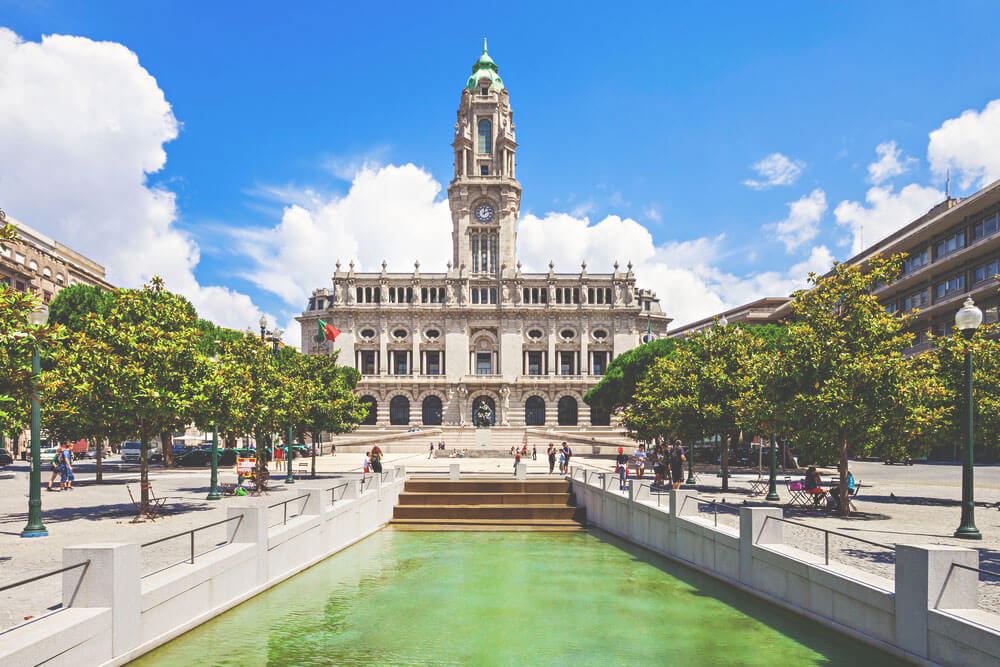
(327,331)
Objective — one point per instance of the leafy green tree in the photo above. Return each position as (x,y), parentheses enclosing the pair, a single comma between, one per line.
(74,303)
(617,387)
(847,363)
(150,335)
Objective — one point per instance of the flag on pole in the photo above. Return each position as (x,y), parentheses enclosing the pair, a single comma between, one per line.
(327,331)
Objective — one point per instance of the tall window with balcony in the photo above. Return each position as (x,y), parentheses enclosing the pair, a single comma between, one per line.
(484,363)
(600,365)
(949,287)
(484,253)
(917,260)
(535,365)
(986,272)
(369,366)
(987,227)
(485,136)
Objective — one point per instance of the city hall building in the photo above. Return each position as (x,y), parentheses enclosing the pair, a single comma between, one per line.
(482,343)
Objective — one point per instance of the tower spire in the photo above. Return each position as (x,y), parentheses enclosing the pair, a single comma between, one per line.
(484,46)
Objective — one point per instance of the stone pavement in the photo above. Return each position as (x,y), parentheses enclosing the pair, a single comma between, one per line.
(897,504)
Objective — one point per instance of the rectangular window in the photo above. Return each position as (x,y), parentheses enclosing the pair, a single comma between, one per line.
(986,228)
(892,307)
(493,295)
(400,359)
(947,246)
(534,363)
(484,363)
(566,363)
(946,288)
(21,287)
(484,170)
(543,293)
(986,272)
(600,363)
(19,258)
(559,295)
(590,295)
(916,300)
(475,254)
(368,362)
(433,363)
(527,295)
(475,295)
(916,260)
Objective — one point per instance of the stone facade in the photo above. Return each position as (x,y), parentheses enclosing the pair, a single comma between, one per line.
(38,264)
(435,348)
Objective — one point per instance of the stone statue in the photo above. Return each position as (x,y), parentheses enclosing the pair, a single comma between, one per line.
(505,406)
(484,415)
(450,294)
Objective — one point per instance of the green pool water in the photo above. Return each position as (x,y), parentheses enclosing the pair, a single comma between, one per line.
(411,598)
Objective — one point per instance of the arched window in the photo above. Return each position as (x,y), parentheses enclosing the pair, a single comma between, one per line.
(567,411)
(599,416)
(431,410)
(399,411)
(485,136)
(372,405)
(534,411)
(484,412)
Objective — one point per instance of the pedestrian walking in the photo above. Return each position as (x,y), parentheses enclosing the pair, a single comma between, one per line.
(66,469)
(517,460)
(639,459)
(677,460)
(562,461)
(621,467)
(552,458)
(376,459)
(534,452)
(569,453)
(54,464)
(430,454)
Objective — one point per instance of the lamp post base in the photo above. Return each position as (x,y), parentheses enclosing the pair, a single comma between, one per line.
(213,496)
(772,498)
(34,532)
(968,533)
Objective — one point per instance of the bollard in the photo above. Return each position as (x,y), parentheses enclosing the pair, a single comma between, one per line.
(111,580)
(521,472)
(755,528)
(454,471)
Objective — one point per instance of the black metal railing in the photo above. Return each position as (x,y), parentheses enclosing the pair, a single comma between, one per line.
(190,533)
(333,492)
(85,564)
(947,579)
(715,505)
(284,507)
(826,537)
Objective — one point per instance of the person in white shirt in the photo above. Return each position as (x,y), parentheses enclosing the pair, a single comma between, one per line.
(639,460)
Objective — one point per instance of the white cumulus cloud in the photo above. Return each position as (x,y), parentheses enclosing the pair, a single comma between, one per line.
(890,163)
(886,212)
(802,223)
(968,145)
(391,213)
(82,125)
(775,169)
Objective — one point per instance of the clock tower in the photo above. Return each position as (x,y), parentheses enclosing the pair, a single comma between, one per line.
(484,195)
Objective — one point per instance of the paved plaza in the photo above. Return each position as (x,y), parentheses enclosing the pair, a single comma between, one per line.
(912,504)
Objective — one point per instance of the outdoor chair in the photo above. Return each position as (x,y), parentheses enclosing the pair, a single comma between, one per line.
(797,496)
(153,510)
(759,486)
(302,469)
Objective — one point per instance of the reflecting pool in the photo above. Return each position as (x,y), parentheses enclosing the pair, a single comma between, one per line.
(419,598)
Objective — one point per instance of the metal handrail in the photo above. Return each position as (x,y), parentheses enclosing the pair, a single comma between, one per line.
(83,564)
(826,536)
(709,501)
(333,491)
(947,578)
(191,532)
(284,504)
(385,474)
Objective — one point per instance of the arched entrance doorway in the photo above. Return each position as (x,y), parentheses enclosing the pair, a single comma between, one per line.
(399,411)
(484,412)
(372,405)
(534,411)
(567,411)
(431,411)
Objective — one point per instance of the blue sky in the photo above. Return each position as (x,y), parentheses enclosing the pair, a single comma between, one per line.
(652,113)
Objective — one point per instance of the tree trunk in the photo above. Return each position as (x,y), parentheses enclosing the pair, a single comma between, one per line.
(167,445)
(725,463)
(261,460)
(845,502)
(315,446)
(144,471)
(99,446)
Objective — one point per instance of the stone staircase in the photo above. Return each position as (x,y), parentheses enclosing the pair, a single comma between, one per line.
(488,505)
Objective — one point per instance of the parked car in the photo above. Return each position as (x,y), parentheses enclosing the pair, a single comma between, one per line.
(195,458)
(5,458)
(227,457)
(132,452)
(180,450)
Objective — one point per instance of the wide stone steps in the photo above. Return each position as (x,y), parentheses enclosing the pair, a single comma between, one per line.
(487,504)
(426,498)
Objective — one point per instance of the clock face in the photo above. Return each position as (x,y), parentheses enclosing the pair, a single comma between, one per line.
(484,213)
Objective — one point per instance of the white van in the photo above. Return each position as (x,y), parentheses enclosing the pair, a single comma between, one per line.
(132,452)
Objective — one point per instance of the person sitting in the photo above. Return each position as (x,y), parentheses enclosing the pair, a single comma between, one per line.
(812,485)
(835,491)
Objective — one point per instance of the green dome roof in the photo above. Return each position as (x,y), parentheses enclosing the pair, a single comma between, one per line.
(485,68)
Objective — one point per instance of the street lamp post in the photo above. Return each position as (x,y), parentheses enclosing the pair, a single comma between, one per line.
(288,455)
(213,490)
(35,527)
(772,490)
(967,320)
